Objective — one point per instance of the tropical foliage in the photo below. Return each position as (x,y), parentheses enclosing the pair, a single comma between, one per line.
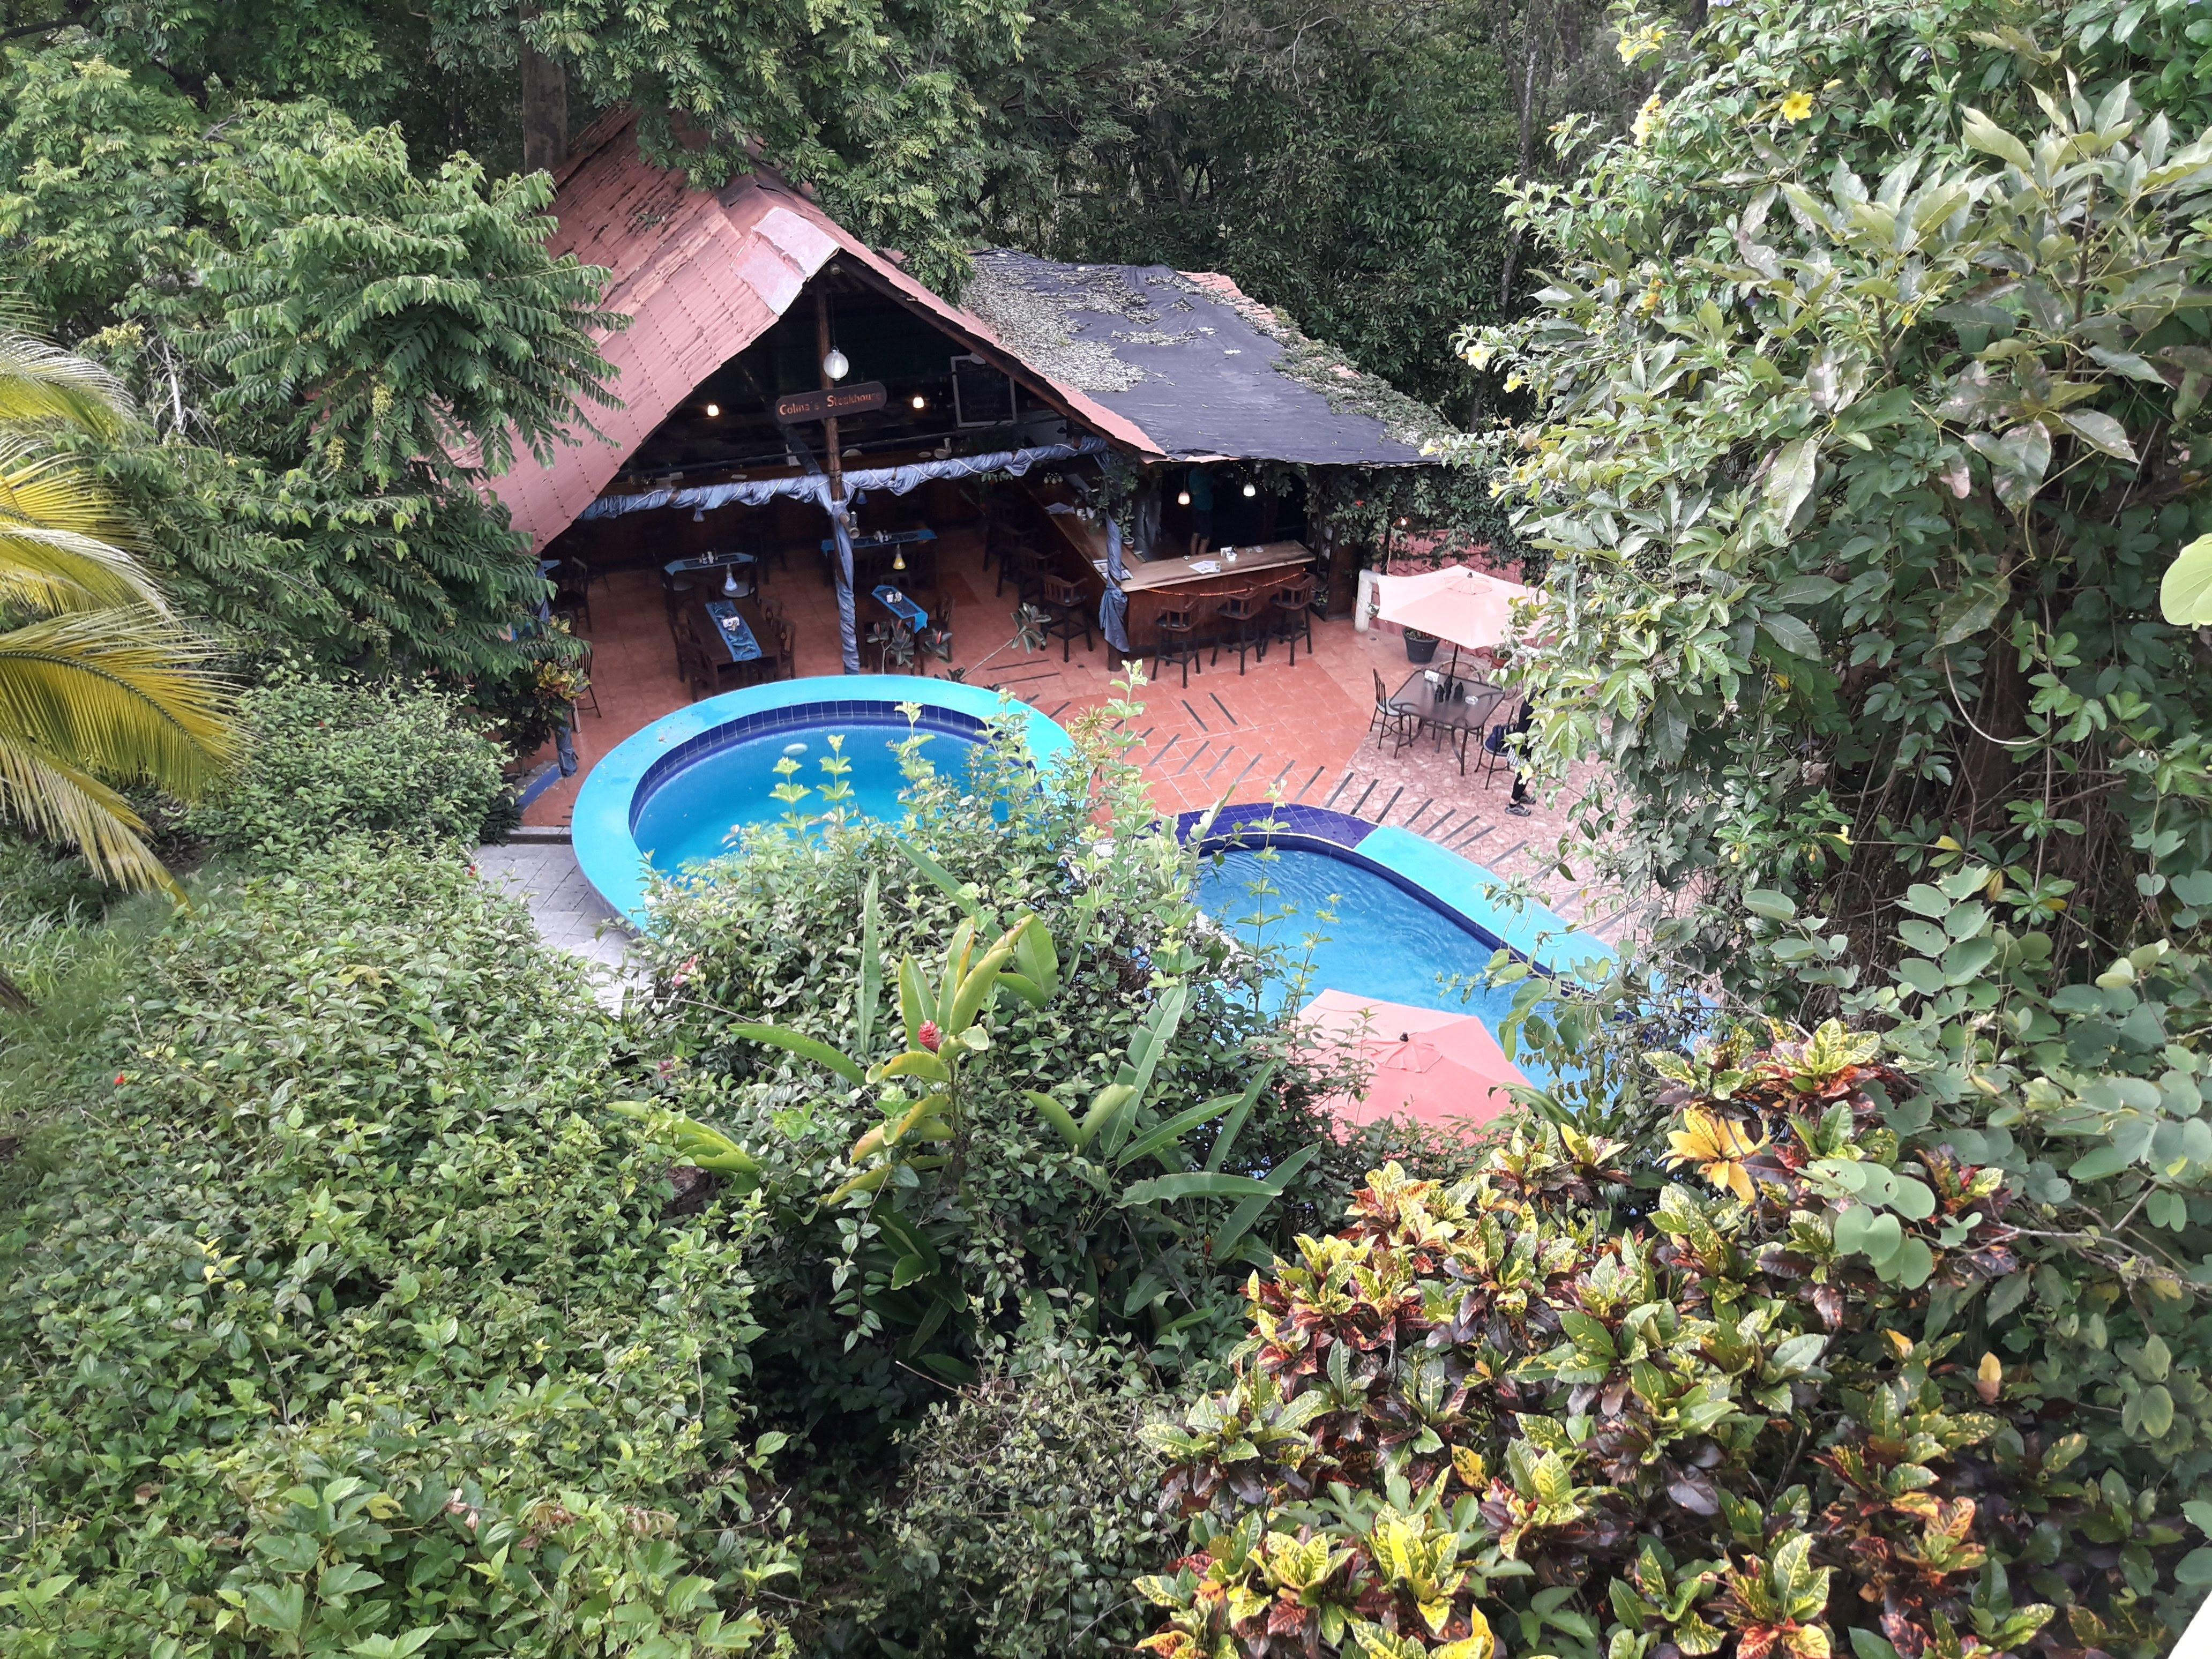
(984,1057)
(1872,384)
(1786,1400)
(331,757)
(331,350)
(351,1322)
(101,688)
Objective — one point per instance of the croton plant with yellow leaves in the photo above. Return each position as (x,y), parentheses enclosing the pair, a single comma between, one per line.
(1515,1416)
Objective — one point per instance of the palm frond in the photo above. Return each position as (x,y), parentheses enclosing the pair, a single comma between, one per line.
(42,382)
(61,537)
(127,695)
(59,802)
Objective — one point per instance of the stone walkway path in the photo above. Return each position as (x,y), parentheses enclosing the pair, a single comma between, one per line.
(570,915)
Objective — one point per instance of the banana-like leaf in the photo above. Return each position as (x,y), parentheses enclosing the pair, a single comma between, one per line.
(1059,1116)
(706,1147)
(806,1047)
(872,968)
(1103,1104)
(1234,1124)
(975,988)
(1037,960)
(1150,1042)
(939,874)
(911,1240)
(1194,1183)
(1162,1137)
(915,1062)
(917,1120)
(866,1181)
(1024,988)
(955,963)
(913,999)
(1242,1218)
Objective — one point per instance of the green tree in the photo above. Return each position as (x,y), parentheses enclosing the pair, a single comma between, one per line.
(333,350)
(1872,373)
(100,688)
(1340,164)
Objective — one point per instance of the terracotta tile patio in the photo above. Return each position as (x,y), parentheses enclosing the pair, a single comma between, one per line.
(1302,730)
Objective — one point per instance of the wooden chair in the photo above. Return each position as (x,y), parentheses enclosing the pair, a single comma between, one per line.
(591,691)
(1176,641)
(677,593)
(1393,718)
(1290,609)
(1068,612)
(690,654)
(787,647)
(1238,628)
(572,590)
(1024,566)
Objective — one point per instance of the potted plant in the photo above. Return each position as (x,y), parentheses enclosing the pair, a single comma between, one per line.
(1419,646)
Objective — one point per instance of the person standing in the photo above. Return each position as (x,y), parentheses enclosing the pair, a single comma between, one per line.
(1518,806)
(1201,511)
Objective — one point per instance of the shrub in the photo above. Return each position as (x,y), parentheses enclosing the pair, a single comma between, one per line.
(334,757)
(1030,1502)
(782,936)
(353,1324)
(1775,1411)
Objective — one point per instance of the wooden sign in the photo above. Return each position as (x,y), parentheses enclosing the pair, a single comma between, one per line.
(837,400)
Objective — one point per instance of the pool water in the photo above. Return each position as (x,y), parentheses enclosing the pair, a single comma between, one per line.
(1383,942)
(692,814)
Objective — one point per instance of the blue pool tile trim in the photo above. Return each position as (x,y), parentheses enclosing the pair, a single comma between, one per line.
(601,827)
(1437,877)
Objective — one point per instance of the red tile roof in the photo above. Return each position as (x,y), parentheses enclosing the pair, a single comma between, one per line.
(701,275)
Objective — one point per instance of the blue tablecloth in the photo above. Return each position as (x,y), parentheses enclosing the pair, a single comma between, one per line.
(901,607)
(707,561)
(884,539)
(737,634)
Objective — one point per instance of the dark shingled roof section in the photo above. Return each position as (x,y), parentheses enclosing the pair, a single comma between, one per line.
(1191,362)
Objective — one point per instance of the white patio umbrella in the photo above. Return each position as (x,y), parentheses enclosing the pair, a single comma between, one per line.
(1470,608)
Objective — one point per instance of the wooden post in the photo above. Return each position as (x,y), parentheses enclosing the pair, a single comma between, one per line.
(836,466)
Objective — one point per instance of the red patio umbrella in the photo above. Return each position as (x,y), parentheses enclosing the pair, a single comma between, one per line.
(1428,1065)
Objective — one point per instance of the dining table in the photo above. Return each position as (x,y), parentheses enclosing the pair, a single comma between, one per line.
(1456,709)
(730,635)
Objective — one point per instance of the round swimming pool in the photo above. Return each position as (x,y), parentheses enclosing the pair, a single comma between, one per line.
(683,789)
(698,810)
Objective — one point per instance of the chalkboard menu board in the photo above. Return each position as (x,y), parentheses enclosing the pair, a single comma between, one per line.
(982,396)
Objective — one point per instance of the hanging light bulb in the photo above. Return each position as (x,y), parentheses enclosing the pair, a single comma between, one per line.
(836,366)
(713,411)
(1250,489)
(898,558)
(730,583)
(1182,498)
(920,402)
(698,515)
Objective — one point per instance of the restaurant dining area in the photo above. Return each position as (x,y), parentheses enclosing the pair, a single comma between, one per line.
(1070,477)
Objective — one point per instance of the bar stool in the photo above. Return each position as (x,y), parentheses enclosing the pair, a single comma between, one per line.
(1177,642)
(1240,630)
(1067,611)
(1291,613)
(1022,565)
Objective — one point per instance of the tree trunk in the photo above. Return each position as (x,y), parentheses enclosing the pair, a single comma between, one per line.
(1528,153)
(544,111)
